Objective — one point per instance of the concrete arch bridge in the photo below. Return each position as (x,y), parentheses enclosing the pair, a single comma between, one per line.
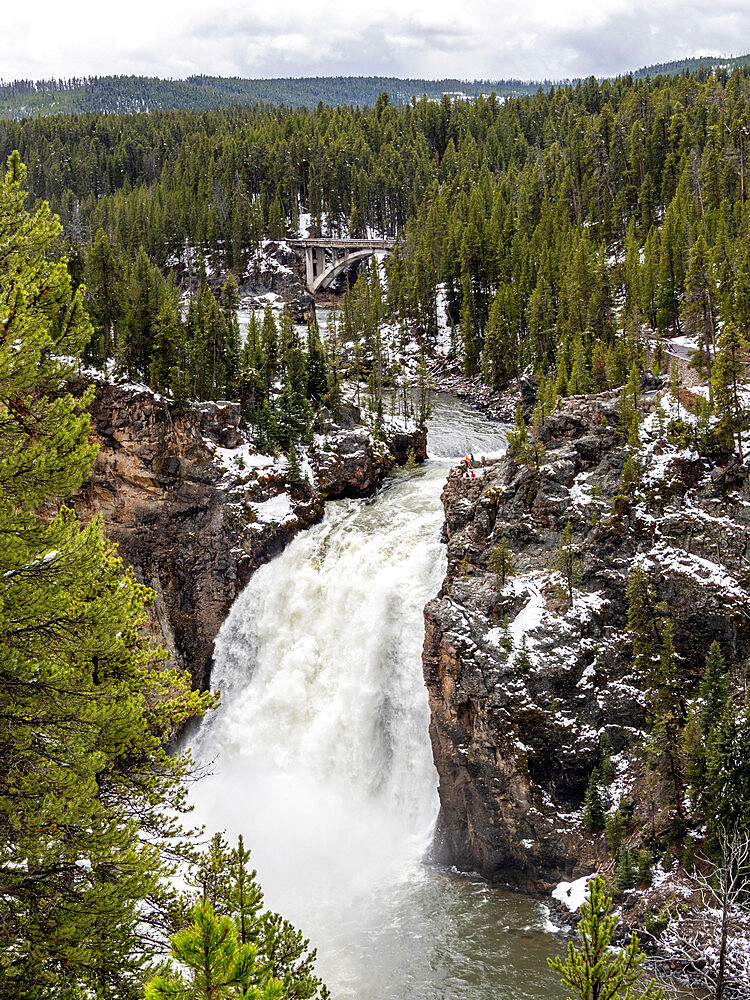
(326,259)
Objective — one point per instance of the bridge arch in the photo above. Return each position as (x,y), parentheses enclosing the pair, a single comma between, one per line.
(344,253)
(327,278)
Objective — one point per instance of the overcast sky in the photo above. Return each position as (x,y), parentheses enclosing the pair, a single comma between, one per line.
(530,39)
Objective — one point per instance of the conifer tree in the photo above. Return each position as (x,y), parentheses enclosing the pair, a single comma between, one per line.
(230,349)
(729,372)
(629,411)
(106,298)
(667,715)
(212,964)
(630,476)
(593,807)
(317,370)
(518,438)
(615,827)
(293,472)
(728,771)
(626,876)
(714,689)
(645,616)
(501,562)
(596,971)
(223,879)
(567,560)
(88,793)
(698,308)
(606,768)
(166,345)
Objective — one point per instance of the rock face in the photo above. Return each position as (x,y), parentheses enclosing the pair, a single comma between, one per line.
(195,511)
(522,680)
(277,270)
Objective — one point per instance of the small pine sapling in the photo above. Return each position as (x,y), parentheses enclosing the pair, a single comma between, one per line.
(501,563)
(596,969)
(567,561)
(593,806)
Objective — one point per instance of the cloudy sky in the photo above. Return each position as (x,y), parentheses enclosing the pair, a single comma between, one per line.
(530,39)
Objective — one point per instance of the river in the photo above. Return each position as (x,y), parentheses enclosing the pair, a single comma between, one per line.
(322,756)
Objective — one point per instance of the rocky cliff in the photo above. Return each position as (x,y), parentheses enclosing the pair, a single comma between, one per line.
(524,678)
(195,510)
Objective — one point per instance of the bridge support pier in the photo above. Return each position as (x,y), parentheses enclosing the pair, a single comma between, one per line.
(315,264)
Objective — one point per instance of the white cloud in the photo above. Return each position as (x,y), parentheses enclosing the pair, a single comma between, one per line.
(537,39)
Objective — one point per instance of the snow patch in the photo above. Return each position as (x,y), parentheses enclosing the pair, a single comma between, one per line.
(573,894)
(275,510)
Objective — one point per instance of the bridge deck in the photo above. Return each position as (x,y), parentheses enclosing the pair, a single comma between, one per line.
(340,244)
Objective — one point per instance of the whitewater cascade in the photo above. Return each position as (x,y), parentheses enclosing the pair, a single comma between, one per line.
(320,750)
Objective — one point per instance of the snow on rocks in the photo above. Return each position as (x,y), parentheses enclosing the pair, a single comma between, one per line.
(274,510)
(671,561)
(573,894)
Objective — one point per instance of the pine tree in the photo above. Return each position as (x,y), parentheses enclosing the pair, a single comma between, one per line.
(630,476)
(728,771)
(223,879)
(317,368)
(166,345)
(424,386)
(293,473)
(694,754)
(518,438)
(212,964)
(522,662)
(729,372)
(698,308)
(714,689)
(666,713)
(645,618)
(294,413)
(606,768)
(501,562)
(629,412)
(615,828)
(230,349)
(626,876)
(88,792)
(106,295)
(596,971)
(593,807)
(567,560)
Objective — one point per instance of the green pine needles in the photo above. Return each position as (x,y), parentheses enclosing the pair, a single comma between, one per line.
(593,970)
(87,791)
(216,965)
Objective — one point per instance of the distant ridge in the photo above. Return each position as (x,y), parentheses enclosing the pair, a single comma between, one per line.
(693,65)
(130,94)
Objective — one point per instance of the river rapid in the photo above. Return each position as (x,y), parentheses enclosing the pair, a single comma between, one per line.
(321,754)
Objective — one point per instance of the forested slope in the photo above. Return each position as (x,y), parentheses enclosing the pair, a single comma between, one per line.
(128,94)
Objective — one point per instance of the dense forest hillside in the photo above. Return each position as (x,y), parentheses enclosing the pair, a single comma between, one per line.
(537,228)
(695,64)
(128,94)
(131,94)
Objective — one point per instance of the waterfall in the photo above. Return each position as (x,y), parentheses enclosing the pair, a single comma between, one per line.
(320,749)
(322,753)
